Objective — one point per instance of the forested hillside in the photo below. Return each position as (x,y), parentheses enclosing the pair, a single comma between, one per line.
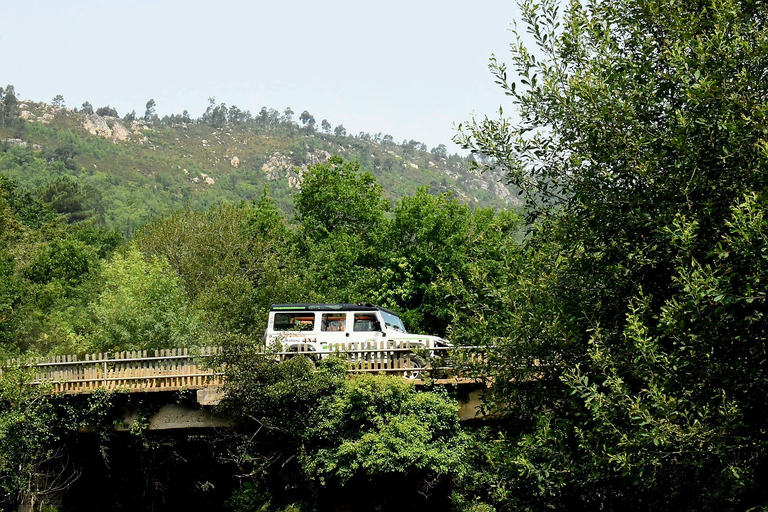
(621,314)
(130,170)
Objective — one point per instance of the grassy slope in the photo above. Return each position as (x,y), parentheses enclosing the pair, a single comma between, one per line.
(145,176)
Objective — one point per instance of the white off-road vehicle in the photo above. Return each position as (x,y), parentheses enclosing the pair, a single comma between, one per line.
(320,329)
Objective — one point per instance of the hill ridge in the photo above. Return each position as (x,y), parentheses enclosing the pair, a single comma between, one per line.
(173,162)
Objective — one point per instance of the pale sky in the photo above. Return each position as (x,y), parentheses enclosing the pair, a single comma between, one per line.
(412,69)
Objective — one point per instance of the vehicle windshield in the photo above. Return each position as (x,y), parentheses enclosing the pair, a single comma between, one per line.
(393,321)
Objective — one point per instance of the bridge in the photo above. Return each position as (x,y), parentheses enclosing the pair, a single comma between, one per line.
(196,370)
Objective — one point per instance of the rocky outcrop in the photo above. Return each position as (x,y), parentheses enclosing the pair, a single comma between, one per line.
(281,166)
(97,125)
(137,126)
(119,132)
(100,126)
(23,143)
(317,157)
(235,162)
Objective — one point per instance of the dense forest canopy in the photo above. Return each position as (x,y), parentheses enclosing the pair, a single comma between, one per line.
(641,150)
(625,329)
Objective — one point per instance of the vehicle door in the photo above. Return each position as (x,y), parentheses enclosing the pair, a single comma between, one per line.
(333,331)
(365,331)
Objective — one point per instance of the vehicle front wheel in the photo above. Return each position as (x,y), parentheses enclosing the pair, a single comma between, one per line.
(412,366)
(296,352)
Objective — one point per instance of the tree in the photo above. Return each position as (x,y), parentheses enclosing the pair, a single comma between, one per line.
(288,115)
(25,209)
(440,151)
(231,259)
(308,120)
(65,154)
(431,243)
(8,105)
(336,196)
(340,131)
(86,108)
(308,432)
(215,115)
(58,101)
(67,260)
(107,111)
(341,215)
(11,288)
(325,126)
(67,196)
(411,146)
(33,455)
(263,117)
(143,305)
(237,116)
(639,148)
(149,113)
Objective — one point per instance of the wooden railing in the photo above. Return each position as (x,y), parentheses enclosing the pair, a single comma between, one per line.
(164,370)
(175,369)
(403,359)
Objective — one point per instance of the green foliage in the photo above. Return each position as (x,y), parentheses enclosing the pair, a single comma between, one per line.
(308,120)
(142,305)
(433,243)
(311,429)
(49,273)
(413,262)
(149,112)
(8,288)
(58,101)
(381,425)
(144,177)
(22,206)
(44,453)
(33,456)
(215,115)
(231,260)
(11,294)
(336,196)
(107,111)
(208,274)
(8,106)
(635,319)
(69,261)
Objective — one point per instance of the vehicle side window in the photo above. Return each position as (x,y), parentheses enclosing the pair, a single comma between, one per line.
(294,322)
(366,322)
(333,322)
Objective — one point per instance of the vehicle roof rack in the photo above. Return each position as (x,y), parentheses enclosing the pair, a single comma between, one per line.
(324,307)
